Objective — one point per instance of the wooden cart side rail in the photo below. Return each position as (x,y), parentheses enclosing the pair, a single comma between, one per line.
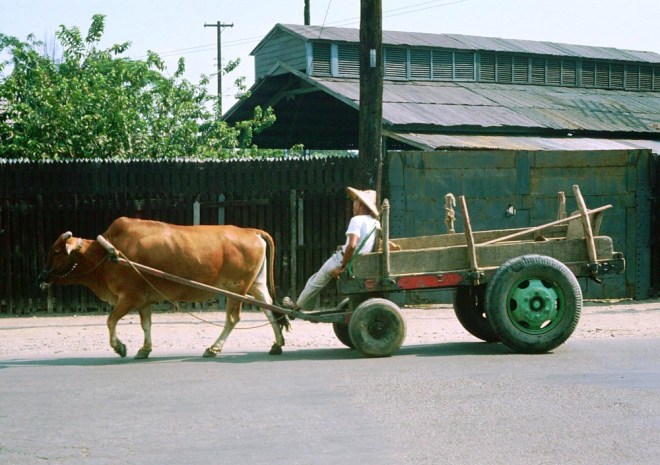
(447,240)
(456,278)
(440,259)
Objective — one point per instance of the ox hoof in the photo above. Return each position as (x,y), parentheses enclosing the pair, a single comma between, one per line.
(210,353)
(120,348)
(142,353)
(275,350)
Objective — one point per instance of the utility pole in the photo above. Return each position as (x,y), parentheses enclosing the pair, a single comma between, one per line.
(307,16)
(371,91)
(219,25)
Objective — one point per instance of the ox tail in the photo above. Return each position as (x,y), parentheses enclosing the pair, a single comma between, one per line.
(282,319)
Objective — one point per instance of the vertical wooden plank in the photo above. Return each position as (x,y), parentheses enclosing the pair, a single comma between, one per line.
(471,249)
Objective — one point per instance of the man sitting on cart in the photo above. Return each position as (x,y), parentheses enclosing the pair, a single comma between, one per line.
(360,239)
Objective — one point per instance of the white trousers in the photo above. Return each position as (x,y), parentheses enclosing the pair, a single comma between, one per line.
(316,283)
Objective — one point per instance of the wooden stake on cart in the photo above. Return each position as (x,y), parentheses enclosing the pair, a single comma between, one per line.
(586,224)
(471,249)
(561,207)
(385,225)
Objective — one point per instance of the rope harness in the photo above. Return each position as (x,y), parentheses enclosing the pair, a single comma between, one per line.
(177,308)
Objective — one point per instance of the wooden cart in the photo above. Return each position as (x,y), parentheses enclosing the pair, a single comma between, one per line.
(514,286)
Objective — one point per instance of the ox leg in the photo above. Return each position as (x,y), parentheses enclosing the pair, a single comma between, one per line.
(145,322)
(260,292)
(233,317)
(121,308)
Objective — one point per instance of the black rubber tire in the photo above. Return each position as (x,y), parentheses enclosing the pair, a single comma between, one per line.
(341,329)
(377,328)
(470,309)
(533,303)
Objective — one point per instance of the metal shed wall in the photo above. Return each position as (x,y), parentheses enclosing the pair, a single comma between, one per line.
(529,181)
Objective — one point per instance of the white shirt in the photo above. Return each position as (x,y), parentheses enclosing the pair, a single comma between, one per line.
(361,226)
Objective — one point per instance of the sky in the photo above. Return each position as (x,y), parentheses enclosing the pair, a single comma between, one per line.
(175,28)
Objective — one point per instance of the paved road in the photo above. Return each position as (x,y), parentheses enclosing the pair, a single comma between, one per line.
(593,401)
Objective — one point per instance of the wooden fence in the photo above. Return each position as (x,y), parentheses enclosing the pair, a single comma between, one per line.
(302,203)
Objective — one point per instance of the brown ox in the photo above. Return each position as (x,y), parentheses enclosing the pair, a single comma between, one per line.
(226,257)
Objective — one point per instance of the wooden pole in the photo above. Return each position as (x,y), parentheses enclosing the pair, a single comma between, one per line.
(371,89)
(543,226)
(586,224)
(306,13)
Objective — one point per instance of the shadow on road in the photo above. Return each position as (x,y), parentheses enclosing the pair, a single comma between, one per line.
(428,350)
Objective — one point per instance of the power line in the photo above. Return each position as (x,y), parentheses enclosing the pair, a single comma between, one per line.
(400,11)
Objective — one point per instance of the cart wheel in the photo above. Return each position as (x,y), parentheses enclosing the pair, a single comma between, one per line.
(469,307)
(341,329)
(533,303)
(377,328)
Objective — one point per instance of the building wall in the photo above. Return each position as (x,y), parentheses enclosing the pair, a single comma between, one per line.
(282,47)
(494,182)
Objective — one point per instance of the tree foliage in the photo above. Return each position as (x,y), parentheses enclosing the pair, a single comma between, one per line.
(94,103)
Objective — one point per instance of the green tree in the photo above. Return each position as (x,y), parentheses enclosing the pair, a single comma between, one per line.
(94,103)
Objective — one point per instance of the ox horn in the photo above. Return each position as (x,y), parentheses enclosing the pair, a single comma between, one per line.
(66,236)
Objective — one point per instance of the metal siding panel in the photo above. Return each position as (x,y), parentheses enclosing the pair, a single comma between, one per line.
(488,190)
(581,159)
(607,181)
(470,160)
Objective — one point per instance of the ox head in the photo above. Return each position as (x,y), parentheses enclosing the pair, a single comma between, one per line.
(62,260)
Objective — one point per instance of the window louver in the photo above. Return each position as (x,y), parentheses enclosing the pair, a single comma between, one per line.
(395,62)
(442,65)
(504,68)
(588,73)
(538,70)
(464,66)
(348,60)
(632,77)
(554,71)
(616,76)
(645,78)
(487,67)
(420,64)
(569,72)
(656,78)
(520,69)
(321,59)
(602,75)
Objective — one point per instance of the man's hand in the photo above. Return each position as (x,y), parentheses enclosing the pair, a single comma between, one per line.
(337,272)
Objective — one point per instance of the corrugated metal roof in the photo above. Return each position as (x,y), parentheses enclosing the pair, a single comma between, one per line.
(463,42)
(442,141)
(442,105)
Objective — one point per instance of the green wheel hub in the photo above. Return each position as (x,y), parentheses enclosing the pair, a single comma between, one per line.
(535,306)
